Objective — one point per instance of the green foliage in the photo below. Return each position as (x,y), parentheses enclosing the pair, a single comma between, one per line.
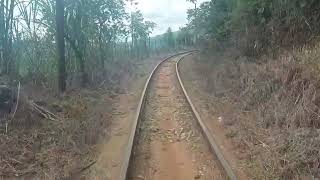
(184,37)
(140,29)
(140,33)
(96,35)
(170,38)
(267,22)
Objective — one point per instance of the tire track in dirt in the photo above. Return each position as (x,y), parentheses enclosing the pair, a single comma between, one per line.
(170,145)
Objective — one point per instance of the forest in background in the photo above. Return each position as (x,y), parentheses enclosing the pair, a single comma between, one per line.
(77,42)
(100,32)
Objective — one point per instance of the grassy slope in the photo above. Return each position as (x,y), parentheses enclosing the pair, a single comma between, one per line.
(269,109)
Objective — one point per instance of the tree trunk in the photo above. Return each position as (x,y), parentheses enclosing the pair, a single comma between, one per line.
(149,48)
(84,76)
(101,53)
(8,41)
(6,36)
(2,31)
(61,44)
(80,59)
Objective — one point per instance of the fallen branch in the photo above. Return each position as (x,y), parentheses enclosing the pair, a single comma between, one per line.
(44,112)
(87,167)
(77,173)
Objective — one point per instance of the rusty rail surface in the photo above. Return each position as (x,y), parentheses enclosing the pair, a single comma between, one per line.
(135,130)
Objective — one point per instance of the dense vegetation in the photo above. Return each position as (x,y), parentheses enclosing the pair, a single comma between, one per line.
(86,36)
(256,26)
(261,59)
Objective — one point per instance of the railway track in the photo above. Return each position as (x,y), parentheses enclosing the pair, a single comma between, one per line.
(168,139)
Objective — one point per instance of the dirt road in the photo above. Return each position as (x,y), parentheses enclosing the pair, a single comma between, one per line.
(170,145)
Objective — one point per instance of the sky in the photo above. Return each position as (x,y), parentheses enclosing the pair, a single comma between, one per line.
(165,13)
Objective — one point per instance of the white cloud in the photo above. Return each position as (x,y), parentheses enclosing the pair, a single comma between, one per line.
(165,13)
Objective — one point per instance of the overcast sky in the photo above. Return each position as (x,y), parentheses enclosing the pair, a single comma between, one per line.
(165,13)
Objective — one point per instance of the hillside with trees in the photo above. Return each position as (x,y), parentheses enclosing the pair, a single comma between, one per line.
(259,71)
(256,26)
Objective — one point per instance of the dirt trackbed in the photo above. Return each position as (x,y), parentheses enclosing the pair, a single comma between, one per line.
(170,144)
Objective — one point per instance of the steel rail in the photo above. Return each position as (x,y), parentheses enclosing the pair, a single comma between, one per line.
(134,130)
(209,136)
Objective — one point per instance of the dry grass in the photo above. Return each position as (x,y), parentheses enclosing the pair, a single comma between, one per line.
(39,148)
(275,109)
(36,147)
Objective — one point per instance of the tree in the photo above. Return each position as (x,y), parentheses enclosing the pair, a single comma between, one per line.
(2,31)
(6,36)
(60,44)
(170,39)
(93,30)
(184,37)
(140,32)
(91,23)
(256,25)
(193,2)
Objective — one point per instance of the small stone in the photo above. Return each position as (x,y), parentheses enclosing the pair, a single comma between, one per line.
(183,136)
(140,177)
(197,177)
